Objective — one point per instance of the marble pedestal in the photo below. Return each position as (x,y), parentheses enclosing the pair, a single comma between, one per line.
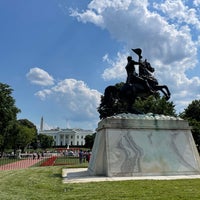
(143,145)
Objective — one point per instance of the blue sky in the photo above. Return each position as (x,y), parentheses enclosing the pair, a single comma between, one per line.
(59,55)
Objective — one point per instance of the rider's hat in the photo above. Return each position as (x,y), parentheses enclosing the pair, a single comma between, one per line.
(138,51)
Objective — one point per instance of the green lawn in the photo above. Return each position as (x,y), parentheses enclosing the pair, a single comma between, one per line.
(4,161)
(70,162)
(45,183)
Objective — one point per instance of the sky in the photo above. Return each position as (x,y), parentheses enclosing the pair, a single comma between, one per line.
(58,56)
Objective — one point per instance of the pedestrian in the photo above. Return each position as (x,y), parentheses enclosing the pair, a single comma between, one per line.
(88,155)
(38,155)
(34,156)
(80,156)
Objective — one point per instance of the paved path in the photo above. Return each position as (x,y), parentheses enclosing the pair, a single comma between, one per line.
(21,164)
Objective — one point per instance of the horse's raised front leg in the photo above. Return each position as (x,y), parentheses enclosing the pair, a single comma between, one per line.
(166,88)
(166,93)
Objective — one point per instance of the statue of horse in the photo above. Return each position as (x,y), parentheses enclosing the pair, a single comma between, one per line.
(127,92)
(114,95)
(145,70)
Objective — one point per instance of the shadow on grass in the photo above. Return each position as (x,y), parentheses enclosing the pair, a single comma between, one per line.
(56,175)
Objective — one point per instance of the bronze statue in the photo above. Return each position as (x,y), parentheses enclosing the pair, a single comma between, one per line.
(142,85)
(132,76)
(145,72)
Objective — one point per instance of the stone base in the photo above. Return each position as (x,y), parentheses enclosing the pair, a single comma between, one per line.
(143,145)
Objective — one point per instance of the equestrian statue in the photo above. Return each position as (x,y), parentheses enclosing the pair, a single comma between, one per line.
(140,85)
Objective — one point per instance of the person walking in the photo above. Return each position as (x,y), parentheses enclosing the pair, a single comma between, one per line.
(81,156)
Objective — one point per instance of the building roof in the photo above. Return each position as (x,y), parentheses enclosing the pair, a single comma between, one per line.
(72,131)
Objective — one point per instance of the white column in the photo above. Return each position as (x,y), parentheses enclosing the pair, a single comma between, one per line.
(58,139)
(64,139)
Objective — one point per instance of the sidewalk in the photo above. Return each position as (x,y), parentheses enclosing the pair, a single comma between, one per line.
(21,164)
(80,175)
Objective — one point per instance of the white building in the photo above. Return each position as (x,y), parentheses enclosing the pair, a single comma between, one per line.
(66,137)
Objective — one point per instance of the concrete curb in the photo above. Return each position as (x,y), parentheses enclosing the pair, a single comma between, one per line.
(80,175)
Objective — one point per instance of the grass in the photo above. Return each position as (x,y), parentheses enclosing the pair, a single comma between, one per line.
(42,183)
(70,162)
(63,160)
(4,161)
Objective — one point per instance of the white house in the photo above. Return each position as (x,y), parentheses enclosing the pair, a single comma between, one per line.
(66,137)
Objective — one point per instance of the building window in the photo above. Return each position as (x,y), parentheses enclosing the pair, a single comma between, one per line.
(72,137)
(77,143)
(82,136)
(77,136)
(71,143)
(66,136)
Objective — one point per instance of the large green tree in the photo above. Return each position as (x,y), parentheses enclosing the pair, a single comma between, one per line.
(22,133)
(89,140)
(29,124)
(8,115)
(45,141)
(24,137)
(192,114)
(32,141)
(25,134)
(156,105)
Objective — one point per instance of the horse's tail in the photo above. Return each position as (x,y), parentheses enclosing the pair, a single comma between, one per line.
(109,92)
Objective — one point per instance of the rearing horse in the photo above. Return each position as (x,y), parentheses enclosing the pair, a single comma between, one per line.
(128,92)
(145,70)
(125,94)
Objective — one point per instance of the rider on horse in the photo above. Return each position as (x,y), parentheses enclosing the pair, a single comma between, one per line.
(132,76)
(121,97)
(145,72)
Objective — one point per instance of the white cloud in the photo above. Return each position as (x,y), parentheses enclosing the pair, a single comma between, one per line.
(38,76)
(103,5)
(88,16)
(117,69)
(136,26)
(166,39)
(178,11)
(42,94)
(73,99)
(196,2)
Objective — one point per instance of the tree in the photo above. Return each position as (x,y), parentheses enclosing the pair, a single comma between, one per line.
(192,114)
(114,107)
(8,113)
(23,134)
(192,111)
(24,137)
(30,125)
(158,105)
(14,130)
(45,141)
(89,140)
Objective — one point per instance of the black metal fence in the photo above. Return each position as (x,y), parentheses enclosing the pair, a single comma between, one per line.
(61,156)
